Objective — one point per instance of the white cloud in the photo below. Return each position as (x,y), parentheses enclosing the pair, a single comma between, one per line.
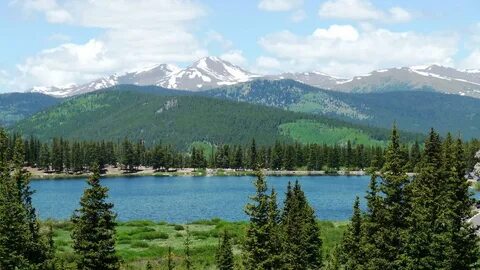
(215,37)
(51,9)
(235,57)
(280,5)
(400,15)
(65,64)
(362,10)
(136,34)
(341,32)
(343,50)
(472,44)
(266,64)
(472,61)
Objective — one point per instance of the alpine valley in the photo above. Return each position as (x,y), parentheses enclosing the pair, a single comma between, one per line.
(170,104)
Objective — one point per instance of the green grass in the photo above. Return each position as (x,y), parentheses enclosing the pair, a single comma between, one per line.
(139,242)
(307,131)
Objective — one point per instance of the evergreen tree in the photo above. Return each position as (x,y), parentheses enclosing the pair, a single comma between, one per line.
(253,156)
(277,156)
(94,228)
(370,227)
(238,164)
(273,228)
(302,243)
(424,238)
(290,158)
(333,261)
(464,252)
(351,250)
(415,157)
(394,206)
(36,249)
(44,158)
(13,226)
(224,254)
(128,155)
(21,245)
(256,245)
(57,155)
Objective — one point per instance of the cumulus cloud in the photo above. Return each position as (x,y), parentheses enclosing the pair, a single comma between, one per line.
(280,5)
(362,10)
(343,50)
(235,57)
(472,61)
(136,34)
(51,9)
(215,37)
(265,64)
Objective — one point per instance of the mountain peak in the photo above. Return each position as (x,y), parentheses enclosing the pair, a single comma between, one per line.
(205,73)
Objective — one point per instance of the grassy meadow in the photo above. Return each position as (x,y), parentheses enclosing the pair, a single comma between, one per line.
(139,242)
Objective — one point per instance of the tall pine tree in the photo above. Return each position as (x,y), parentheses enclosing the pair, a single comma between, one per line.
(94,228)
(224,256)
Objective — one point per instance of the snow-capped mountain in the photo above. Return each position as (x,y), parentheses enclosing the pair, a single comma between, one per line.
(206,73)
(213,72)
(433,77)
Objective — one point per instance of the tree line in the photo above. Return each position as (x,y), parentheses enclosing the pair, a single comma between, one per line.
(64,156)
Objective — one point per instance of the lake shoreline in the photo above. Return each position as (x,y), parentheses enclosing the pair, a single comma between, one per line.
(112,172)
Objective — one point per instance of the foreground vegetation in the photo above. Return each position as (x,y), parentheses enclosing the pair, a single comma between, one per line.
(140,242)
(419,222)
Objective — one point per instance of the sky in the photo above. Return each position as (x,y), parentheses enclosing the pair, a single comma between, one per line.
(64,42)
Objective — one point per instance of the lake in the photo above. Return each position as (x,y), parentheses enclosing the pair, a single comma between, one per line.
(183,199)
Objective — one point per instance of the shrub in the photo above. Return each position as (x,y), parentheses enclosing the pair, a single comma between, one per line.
(179,228)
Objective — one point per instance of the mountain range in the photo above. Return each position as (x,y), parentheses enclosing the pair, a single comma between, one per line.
(154,115)
(412,109)
(212,72)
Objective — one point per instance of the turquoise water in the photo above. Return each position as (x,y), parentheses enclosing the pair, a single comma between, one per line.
(184,199)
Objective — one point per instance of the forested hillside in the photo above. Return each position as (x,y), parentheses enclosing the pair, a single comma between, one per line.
(182,120)
(17,106)
(415,111)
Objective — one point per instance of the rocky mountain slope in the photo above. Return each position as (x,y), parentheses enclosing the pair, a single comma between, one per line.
(213,72)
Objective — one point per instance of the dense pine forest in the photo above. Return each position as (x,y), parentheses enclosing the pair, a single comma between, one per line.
(180,120)
(418,222)
(76,157)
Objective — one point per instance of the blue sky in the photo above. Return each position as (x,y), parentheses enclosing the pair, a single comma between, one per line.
(60,42)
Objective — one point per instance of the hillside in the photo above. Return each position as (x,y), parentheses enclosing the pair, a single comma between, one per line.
(182,120)
(17,106)
(414,111)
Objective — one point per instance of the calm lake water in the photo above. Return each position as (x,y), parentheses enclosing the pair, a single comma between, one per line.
(184,199)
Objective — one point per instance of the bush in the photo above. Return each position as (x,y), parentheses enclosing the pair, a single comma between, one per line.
(179,228)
